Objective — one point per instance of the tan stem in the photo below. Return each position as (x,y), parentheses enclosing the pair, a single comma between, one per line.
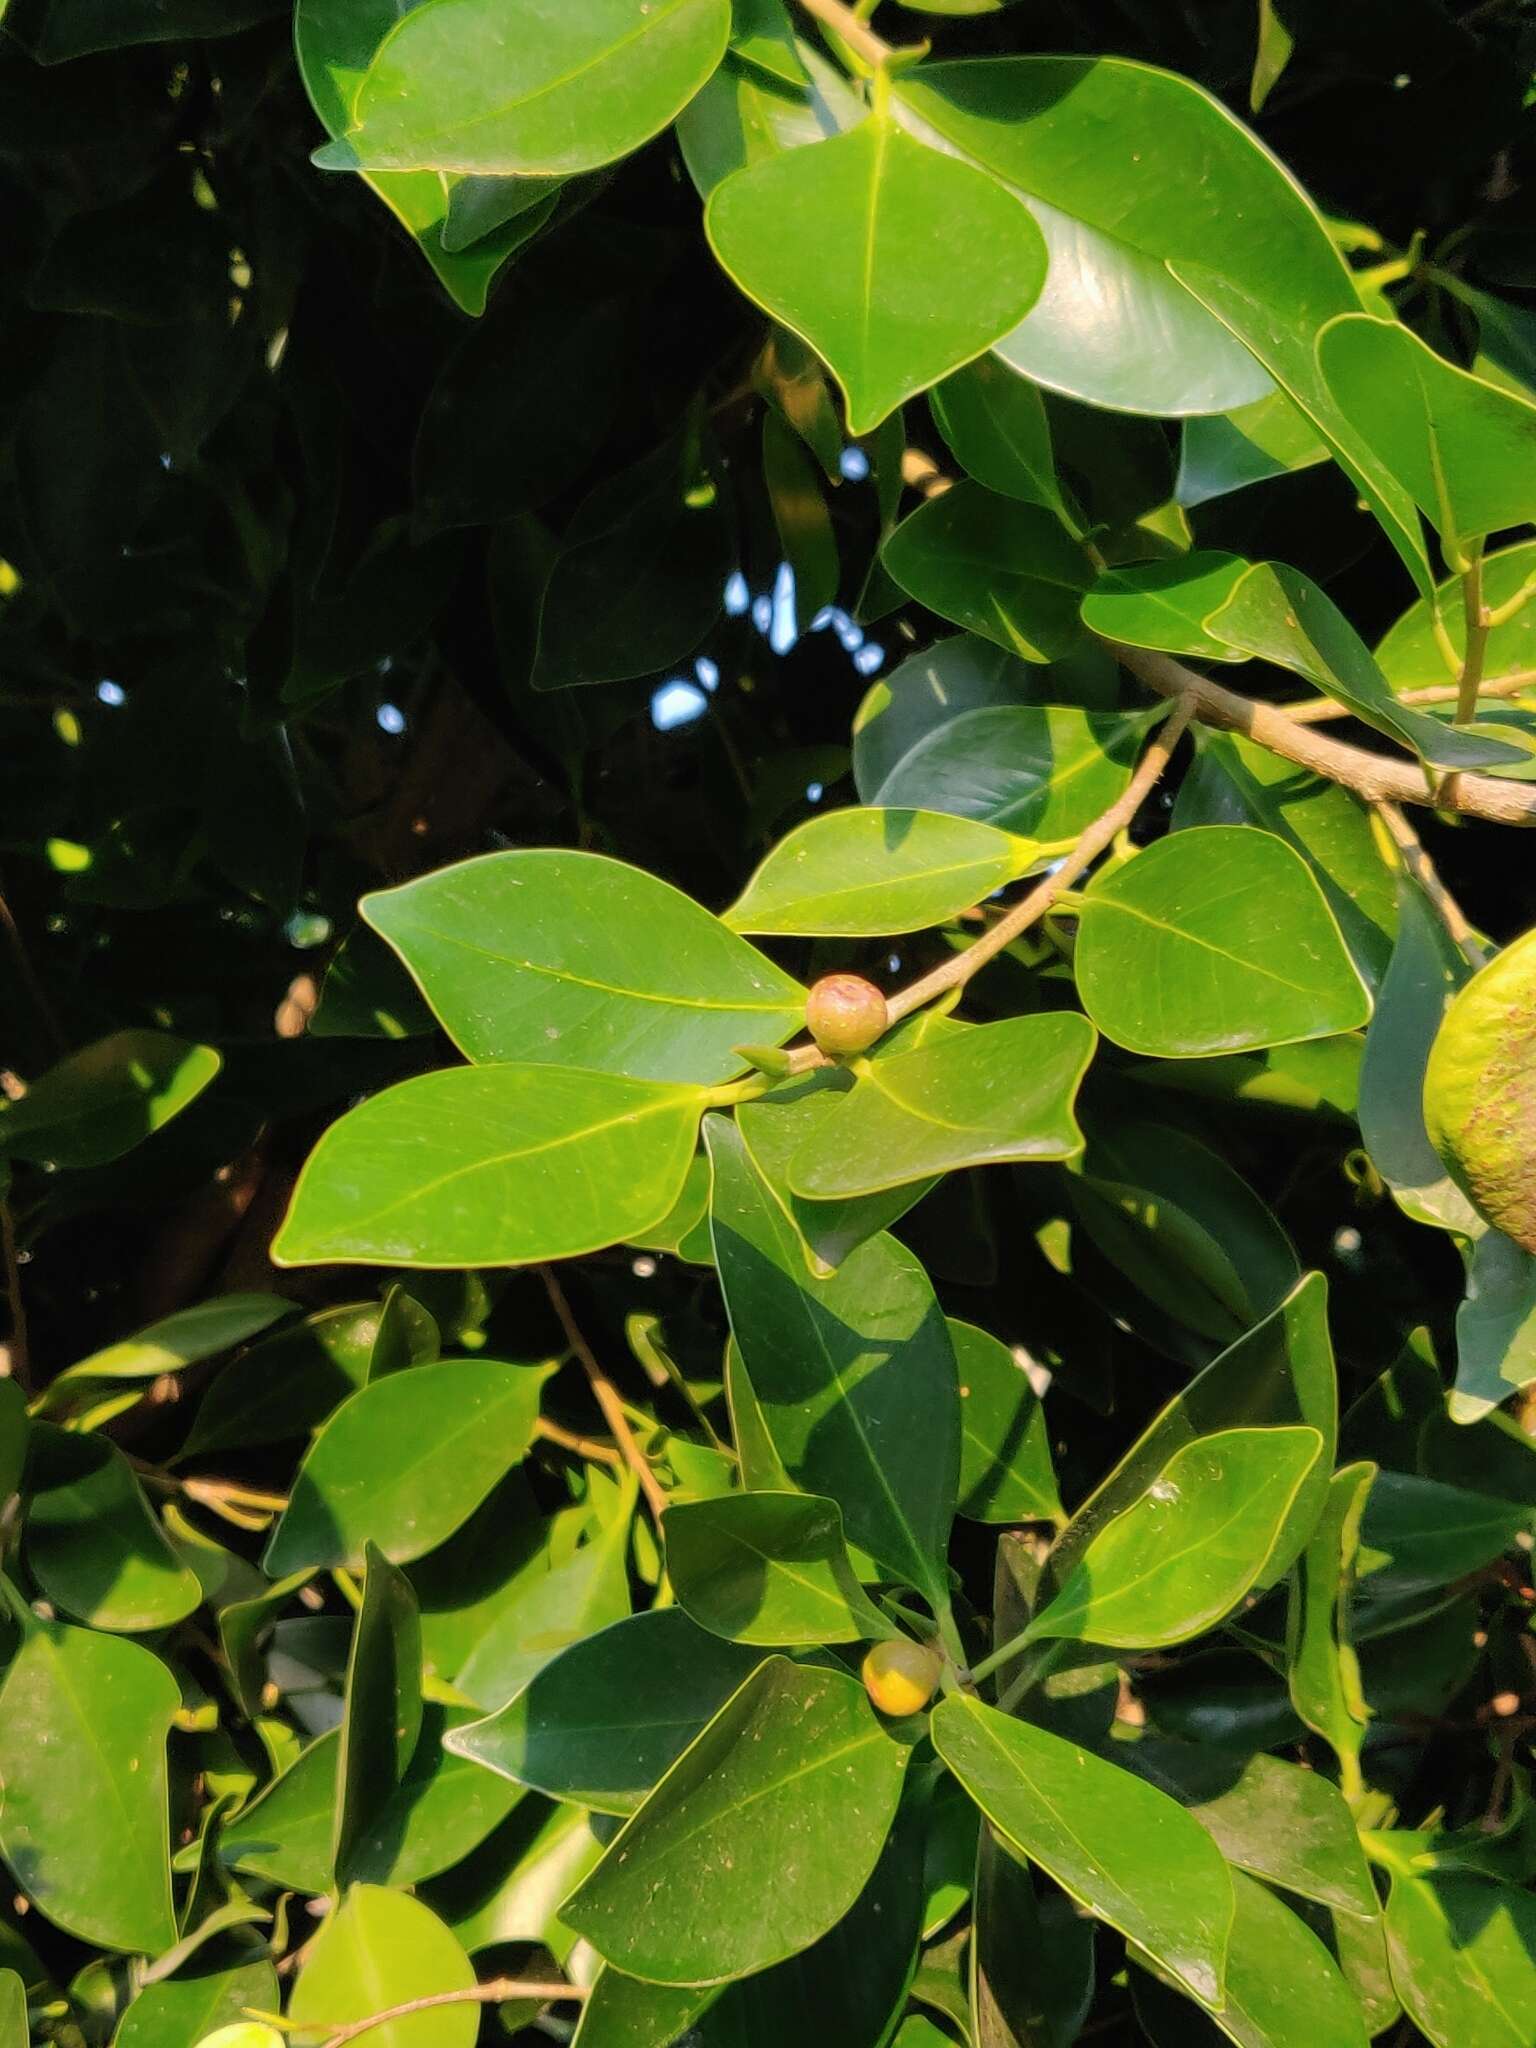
(1376,777)
(498,1991)
(1318,710)
(847,27)
(607,1398)
(1424,872)
(952,973)
(580,1446)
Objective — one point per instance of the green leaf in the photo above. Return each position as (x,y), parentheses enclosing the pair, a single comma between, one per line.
(1008,571)
(921,695)
(915,263)
(638,579)
(855,1375)
(14,1430)
(995,1093)
(761,35)
(624,2012)
(103,1100)
(1283,1988)
(578,87)
(996,427)
(1211,941)
(684,1230)
(801,516)
(1032,1960)
(511,1889)
(768,1568)
(1046,770)
(381,1707)
(1495,1328)
(438,1813)
(1225,452)
(1321,1669)
(335,41)
(694,1888)
(1419,1534)
(182,2010)
(404,1461)
(1280,1374)
(742,116)
(1280,615)
(1283,1823)
(606,1718)
(1165,604)
(1006,1474)
(477,207)
(861,873)
(166,1346)
(1179,1560)
(1125,1851)
(92,1544)
(1410,654)
(1463,1954)
(287,1384)
(580,961)
(1464,450)
(1131,171)
(378,1949)
(85,1827)
(1426,970)
(492,1166)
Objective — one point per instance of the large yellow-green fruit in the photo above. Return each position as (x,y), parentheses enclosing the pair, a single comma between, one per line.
(901,1677)
(243,2034)
(1480,1091)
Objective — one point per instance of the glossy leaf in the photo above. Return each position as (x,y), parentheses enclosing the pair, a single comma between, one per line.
(381,1707)
(1006,1474)
(288,1383)
(1322,1671)
(923,693)
(1214,940)
(606,1718)
(176,1340)
(918,263)
(1008,571)
(493,1166)
(998,1092)
(1128,1853)
(101,1101)
(1180,1559)
(1463,449)
(1165,604)
(855,1375)
(861,873)
(1495,1327)
(404,1461)
(1410,654)
(1116,326)
(767,1568)
(626,2012)
(579,961)
(1224,452)
(85,1826)
(1462,1950)
(1418,1532)
(742,116)
(996,426)
(92,1544)
(795,1771)
(1280,615)
(378,1949)
(1046,770)
(576,89)
(183,2010)
(1032,1959)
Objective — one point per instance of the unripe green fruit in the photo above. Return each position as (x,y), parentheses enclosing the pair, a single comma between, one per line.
(845,1013)
(1480,1091)
(902,1676)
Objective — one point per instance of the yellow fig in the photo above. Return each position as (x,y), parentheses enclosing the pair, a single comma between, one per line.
(243,2034)
(1480,1091)
(844,1013)
(901,1677)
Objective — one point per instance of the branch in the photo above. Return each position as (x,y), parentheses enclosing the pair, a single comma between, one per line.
(847,27)
(606,1395)
(1423,871)
(1378,778)
(954,972)
(1317,710)
(1469,682)
(496,1992)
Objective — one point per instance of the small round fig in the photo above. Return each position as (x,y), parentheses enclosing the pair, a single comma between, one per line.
(1480,1091)
(845,1013)
(901,1677)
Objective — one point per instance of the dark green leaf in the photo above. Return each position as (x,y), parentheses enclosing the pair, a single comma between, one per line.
(1008,571)
(1165,604)
(1005,1448)
(92,1543)
(768,1568)
(100,1102)
(1321,1668)
(1463,1954)
(381,1707)
(996,426)
(182,2010)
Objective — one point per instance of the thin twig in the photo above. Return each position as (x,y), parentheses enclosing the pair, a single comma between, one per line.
(1375,777)
(29,979)
(19,1358)
(847,27)
(1317,710)
(1424,872)
(958,969)
(1469,682)
(607,1397)
(498,1991)
(580,1446)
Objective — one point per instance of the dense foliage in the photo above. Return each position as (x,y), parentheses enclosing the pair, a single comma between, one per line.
(546,545)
